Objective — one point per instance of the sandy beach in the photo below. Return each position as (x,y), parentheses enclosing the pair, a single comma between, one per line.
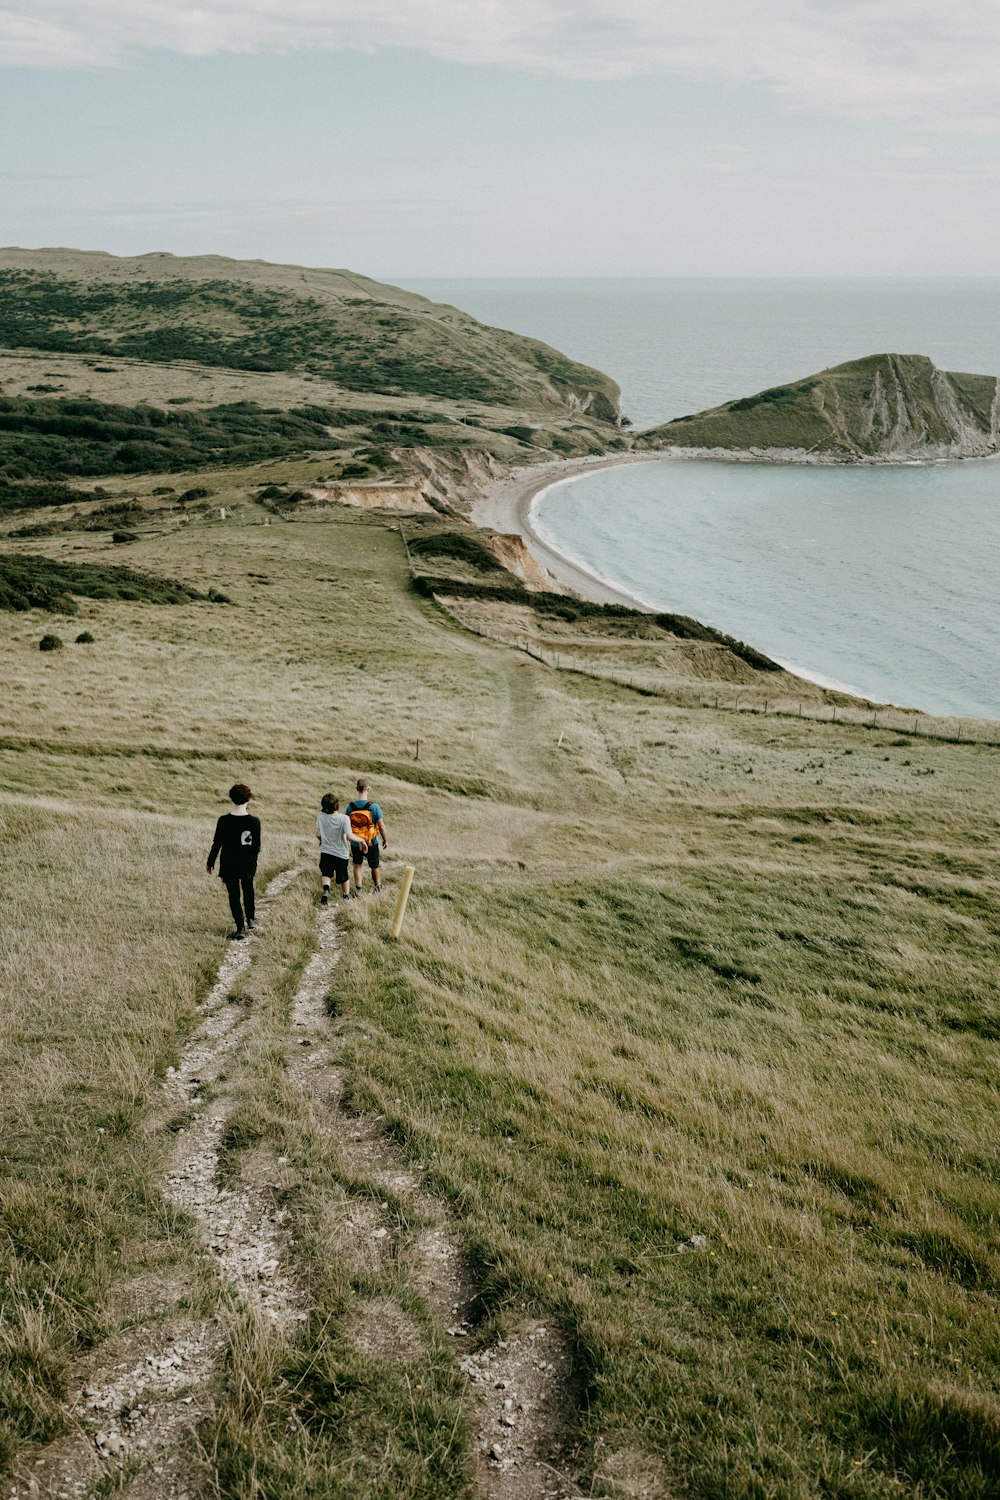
(506,506)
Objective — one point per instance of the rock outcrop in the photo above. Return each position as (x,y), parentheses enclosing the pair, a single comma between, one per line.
(512,554)
(888,408)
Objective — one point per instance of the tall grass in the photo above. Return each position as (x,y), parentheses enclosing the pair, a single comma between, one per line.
(666,973)
(799,1068)
(107,938)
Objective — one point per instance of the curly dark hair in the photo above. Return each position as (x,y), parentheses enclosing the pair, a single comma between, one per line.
(240,793)
(330,803)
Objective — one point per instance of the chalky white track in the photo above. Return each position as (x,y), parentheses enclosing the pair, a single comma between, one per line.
(136,1406)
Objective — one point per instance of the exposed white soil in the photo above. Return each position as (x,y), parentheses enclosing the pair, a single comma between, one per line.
(136,1400)
(243,1229)
(522,1399)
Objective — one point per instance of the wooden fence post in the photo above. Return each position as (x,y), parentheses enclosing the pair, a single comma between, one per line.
(404,896)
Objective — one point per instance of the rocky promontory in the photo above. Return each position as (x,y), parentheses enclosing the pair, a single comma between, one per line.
(887,408)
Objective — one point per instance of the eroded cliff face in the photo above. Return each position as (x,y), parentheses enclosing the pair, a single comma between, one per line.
(446,477)
(406,498)
(914,410)
(888,408)
(433,479)
(512,554)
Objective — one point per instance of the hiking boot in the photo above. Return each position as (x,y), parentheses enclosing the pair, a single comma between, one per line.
(357,891)
(324,900)
(253,925)
(237,936)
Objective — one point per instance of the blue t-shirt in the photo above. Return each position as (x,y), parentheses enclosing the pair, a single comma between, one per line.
(372,807)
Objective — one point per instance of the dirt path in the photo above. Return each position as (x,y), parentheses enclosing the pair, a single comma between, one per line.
(138,1399)
(519,1401)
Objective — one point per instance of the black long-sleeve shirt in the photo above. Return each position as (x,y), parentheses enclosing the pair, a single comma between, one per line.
(237,839)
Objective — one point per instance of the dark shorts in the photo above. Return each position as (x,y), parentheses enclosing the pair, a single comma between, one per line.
(373,857)
(329,864)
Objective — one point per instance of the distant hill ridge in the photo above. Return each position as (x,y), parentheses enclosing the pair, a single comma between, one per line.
(885,408)
(332,325)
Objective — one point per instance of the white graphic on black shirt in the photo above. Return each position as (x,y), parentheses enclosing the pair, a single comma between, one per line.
(246,837)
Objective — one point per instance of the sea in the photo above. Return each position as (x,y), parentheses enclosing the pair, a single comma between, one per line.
(880,580)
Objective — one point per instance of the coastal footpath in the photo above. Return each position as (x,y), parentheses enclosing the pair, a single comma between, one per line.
(651,1156)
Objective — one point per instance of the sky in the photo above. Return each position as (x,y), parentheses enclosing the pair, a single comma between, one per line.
(412,138)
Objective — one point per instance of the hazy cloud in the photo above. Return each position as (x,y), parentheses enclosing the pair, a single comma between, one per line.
(914,61)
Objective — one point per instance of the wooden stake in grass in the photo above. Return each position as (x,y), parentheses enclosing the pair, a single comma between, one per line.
(404,896)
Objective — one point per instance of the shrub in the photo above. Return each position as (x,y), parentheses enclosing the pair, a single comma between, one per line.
(29,496)
(460,545)
(85,638)
(44,583)
(50,643)
(562,608)
(124,536)
(218,597)
(43,528)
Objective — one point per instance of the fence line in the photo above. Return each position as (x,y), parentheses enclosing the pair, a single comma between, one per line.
(745,700)
(900,721)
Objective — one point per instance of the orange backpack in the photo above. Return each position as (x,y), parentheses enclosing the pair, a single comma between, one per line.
(362,823)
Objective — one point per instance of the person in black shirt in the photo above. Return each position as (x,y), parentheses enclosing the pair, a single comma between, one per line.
(237,844)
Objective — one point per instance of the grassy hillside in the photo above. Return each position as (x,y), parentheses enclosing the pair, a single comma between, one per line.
(158,364)
(667,973)
(885,405)
(333,325)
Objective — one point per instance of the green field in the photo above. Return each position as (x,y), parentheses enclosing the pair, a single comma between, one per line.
(667,972)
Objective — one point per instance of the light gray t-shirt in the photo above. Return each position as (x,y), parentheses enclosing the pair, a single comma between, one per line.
(335,834)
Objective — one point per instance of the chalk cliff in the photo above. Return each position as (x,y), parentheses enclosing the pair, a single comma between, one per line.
(887,408)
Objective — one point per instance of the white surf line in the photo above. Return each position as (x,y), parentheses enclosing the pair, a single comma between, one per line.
(518,1396)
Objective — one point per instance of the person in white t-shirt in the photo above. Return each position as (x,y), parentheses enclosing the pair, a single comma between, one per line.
(333,830)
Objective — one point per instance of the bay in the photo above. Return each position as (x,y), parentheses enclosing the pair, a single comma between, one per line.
(882,579)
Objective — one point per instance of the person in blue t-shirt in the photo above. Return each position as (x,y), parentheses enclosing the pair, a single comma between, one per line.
(368,826)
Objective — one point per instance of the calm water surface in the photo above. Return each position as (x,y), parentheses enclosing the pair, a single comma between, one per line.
(885,579)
